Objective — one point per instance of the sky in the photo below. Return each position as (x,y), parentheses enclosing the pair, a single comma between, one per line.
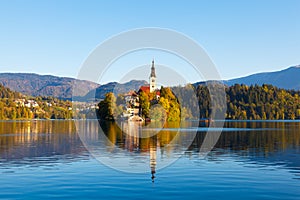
(240,37)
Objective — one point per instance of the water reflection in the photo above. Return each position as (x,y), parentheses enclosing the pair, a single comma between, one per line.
(38,142)
(132,147)
(152,150)
(274,143)
(271,143)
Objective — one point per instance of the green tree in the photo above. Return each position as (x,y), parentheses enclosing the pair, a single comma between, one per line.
(108,108)
(145,104)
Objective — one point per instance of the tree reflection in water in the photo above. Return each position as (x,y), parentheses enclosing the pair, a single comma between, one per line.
(38,142)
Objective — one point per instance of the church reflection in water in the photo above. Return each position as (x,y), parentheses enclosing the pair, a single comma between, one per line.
(133,137)
(40,142)
(133,134)
(161,143)
(263,142)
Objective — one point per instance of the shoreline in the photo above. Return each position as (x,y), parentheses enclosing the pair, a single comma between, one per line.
(192,120)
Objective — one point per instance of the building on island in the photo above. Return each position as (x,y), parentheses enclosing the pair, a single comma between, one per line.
(132,104)
(152,87)
(133,109)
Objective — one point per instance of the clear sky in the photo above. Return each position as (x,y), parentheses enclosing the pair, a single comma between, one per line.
(241,37)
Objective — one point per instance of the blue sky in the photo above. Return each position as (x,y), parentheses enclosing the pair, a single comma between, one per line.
(241,37)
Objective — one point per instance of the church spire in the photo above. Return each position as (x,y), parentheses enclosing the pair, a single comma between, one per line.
(153,70)
(152,78)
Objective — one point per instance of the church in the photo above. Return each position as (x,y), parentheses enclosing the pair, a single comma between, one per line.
(152,87)
(133,108)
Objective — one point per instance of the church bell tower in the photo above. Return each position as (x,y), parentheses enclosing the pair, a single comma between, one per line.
(152,79)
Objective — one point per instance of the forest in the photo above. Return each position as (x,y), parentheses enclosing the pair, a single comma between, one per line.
(253,102)
(262,102)
(243,102)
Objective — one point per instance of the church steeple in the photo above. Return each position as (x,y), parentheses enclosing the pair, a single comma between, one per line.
(152,79)
(153,70)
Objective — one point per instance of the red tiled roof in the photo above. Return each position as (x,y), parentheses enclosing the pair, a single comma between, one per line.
(145,88)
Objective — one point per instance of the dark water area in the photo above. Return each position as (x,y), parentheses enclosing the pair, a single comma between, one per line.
(56,159)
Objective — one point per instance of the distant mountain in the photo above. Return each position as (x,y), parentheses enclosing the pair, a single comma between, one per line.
(61,87)
(287,79)
(99,93)
(45,85)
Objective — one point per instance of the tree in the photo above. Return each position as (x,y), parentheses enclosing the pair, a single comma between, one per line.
(108,108)
(170,103)
(145,104)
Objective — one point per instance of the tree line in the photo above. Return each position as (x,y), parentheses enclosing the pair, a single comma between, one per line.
(189,102)
(243,102)
(262,102)
(253,102)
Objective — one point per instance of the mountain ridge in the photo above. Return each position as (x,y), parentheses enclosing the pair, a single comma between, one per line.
(99,93)
(287,78)
(45,85)
(61,87)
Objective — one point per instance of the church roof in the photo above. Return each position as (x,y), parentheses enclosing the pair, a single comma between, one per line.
(145,88)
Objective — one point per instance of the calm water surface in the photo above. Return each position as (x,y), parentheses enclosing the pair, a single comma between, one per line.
(251,160)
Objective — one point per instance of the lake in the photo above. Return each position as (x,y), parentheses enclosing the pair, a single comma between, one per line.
(66,159)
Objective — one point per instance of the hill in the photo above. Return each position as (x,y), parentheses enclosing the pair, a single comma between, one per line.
(45,85)
(287,79)
(117,88)
(61,87)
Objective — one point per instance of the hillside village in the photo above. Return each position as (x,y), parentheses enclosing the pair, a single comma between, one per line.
(14,105)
